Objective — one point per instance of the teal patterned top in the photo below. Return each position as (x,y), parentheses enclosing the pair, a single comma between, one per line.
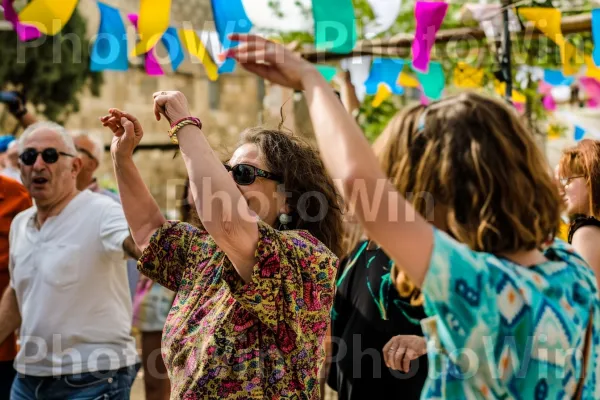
(498,330)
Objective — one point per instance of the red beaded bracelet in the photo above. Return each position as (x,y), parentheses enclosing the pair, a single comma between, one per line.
(195,120)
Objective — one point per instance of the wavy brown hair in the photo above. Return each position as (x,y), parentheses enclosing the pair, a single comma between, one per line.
(312,196)
(584,159)
(477,160)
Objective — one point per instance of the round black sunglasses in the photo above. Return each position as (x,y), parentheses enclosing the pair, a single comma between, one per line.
(49,155)
(245,174)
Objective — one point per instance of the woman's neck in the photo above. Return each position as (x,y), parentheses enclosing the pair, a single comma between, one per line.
(525,258)
(51,210)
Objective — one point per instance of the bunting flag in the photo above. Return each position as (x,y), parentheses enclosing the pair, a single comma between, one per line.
(549,103)
(288,16)
(195,47)
(516,96)
(555,77)
(359,68)
(25,32)
(48,16)
(230,17)
(173,45)
(489,17)
(408,81)
(151,64)
(327,71)
(383,93)
(386,12)
(467,77)
(385,71)
(432,82)
(548,21)
(429,17)
(335,25)
(591,88)
(596,35)
(579,133)
(153,23)
(592,70)
(110,48)
(544,88)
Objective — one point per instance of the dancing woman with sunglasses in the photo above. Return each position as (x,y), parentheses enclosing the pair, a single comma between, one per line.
(508,317)
(254,285)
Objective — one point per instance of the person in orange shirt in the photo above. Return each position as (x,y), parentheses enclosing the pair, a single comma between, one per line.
(14,198)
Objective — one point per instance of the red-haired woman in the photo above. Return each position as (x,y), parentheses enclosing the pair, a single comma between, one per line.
(579,172)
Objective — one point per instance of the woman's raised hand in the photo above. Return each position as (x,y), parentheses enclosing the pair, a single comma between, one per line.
(271,61)
(127,132)
(173,105)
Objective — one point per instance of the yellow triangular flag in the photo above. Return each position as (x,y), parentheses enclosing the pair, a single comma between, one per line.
(48,16)
(548,21)
(516,96)
(152,24)
(467,77)
(383,93)
(195,47)
(553,133)
(592,70)
(407,81)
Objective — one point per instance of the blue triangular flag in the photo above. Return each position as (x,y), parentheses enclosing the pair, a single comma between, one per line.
(579,133)
(596,35)
(171,41)
(110,48)
(385,70)
(555,77)
(230,17)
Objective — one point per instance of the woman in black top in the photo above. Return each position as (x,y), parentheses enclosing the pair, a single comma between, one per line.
(378,347)
(579,172)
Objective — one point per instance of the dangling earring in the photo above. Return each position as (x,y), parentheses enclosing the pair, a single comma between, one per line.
(284,220)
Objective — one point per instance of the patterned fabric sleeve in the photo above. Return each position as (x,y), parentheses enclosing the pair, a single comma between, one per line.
(458,291)
(166,257)
(292,285)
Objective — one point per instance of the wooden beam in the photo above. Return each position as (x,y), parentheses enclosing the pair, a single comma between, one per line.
(399,45)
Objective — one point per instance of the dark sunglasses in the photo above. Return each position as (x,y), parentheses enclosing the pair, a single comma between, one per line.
(87,153)
(244,174)
(50,156)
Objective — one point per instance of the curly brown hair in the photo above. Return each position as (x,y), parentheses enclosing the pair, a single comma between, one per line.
(584,159)
(312,195)
(477,159)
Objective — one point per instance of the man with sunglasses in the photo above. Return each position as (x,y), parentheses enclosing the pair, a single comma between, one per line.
(68,285)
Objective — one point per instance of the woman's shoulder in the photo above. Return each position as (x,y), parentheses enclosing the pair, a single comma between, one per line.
(579,222)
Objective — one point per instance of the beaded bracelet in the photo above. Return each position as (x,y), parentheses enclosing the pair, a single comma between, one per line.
(180,124)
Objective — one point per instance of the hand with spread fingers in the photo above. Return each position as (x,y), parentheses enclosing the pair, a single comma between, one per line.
(127,132)
(402,349)
(271,61)
(172,104)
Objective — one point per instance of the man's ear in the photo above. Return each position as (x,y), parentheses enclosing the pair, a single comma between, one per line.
(76,166)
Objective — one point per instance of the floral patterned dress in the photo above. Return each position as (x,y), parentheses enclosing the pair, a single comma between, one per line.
(226,339)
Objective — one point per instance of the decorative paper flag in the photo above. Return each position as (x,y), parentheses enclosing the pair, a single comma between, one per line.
(171,41)
(433,82)
(406,80)
(194,46)
(385,70)
(467,77)
(288,16)
(490,19)
(592,70)
(549,103)
(151,64)
(555,77)
(335,26)
(230,17)
(110,48)
(520,107)
(592,103)
(596,35)
(424,100)
(327,71)
(49,17)
(383,93)
(429,17)
(153,23)
(544,88)
(548,21)
(561,94)
(579,133)
(516,96)
(24,32)
(591,87)
(359,68)
(386,12)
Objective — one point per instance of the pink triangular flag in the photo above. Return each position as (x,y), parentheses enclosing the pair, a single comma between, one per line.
(549,103)
(424,99)
(24,32)
(520,107)
(152,65)
(429,17)
(591,87)
(593,103)
(544,88)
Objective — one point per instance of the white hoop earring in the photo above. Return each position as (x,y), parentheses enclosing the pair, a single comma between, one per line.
(284,220)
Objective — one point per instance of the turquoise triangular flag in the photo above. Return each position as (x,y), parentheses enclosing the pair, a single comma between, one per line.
(432,82)
(335,26)
(327,71)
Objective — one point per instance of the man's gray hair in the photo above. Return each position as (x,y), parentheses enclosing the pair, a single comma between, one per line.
(98,151)
(52,126)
